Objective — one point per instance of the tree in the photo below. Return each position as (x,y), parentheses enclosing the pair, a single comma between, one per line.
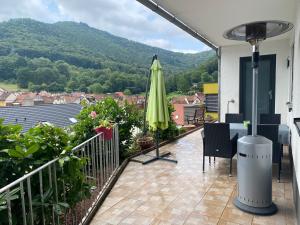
(182,83)
(55,87)
(95,88)
(127,92)
(24,76)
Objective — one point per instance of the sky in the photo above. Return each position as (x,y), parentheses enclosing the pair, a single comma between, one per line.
(125,18)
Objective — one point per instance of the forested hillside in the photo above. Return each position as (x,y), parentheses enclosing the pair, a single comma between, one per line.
(69,56)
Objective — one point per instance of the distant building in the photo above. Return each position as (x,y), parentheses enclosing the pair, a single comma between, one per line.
(11,98)
(29,116)
(2,90)
(120,95)
(186,105)
(3,97)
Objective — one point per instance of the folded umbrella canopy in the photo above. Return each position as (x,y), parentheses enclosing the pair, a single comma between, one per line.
(157,109)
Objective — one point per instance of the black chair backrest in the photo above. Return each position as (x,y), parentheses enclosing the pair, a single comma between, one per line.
(269,131)
(234,118)
(199,113)
(217,137)
(270,118)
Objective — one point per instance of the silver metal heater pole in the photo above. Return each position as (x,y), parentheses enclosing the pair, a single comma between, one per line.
(255,61)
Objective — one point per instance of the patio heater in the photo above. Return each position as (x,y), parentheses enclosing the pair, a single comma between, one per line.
(254,164)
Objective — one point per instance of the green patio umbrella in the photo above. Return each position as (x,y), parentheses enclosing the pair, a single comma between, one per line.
(157,108)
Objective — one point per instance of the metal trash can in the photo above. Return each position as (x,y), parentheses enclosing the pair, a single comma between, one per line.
(254,174)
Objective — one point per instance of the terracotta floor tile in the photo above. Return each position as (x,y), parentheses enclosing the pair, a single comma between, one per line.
(224,222)
(163,193)
(208,209)
(197,219)
(137,219)
(237,216)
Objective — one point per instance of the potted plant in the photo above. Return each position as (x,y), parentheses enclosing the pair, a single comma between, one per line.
(144,141)
(105,127)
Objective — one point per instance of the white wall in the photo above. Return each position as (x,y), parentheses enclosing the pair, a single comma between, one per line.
(296,93)
(230,69)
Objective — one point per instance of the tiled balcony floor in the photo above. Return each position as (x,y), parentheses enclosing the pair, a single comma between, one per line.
(164,193)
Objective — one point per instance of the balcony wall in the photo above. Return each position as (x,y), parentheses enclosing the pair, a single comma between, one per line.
(230,70)
(295,142)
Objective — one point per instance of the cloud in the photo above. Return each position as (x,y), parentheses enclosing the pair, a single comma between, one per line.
(160,43)
(126,18)
(35,9)
(192,51)
(129,19)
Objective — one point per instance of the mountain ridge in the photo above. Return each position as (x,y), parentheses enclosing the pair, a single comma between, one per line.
(71,56)
(67,37)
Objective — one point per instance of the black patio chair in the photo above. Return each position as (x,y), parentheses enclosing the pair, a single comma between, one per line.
(270,131)
(198,116)
(234,118)
(270,118)
(217,142)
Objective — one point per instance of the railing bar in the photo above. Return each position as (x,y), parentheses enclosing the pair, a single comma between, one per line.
(55,188)
(16,182)
(88,158)
(117,146)
(111,156)
(23,203)
(97,153)
(51,186)
(114,155)
(106,160)
(83,143)
(93,158)
(8,202)
(101,161)
(84,168)
(42,195)
(63,183)
(116,134)
(30,199)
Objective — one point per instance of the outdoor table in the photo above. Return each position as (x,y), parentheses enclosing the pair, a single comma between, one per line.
(241,130)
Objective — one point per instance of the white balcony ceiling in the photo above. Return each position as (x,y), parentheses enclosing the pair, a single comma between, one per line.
(211,18)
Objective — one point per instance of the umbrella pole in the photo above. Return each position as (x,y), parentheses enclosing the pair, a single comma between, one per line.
(146,96)
(158,156)
(157,143)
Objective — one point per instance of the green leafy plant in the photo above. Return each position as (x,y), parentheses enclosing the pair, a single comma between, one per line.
(22,153)
(11,196)
(172,131)
(126,116)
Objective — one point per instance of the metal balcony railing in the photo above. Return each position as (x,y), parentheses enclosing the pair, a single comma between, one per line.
(18,199)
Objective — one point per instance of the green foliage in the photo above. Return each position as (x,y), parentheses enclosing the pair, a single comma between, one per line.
(127,92)
(75,57)
(127,117)
(172,131)
(22,153)
(96,88)
(193,80)
(11,195)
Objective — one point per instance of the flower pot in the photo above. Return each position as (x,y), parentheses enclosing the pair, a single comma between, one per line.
(107,132)
(145,142)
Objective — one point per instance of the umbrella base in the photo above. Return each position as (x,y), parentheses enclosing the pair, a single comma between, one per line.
(161,157)
(154,158)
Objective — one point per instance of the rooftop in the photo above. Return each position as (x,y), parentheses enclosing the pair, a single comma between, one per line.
(29,116)
(165,193)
